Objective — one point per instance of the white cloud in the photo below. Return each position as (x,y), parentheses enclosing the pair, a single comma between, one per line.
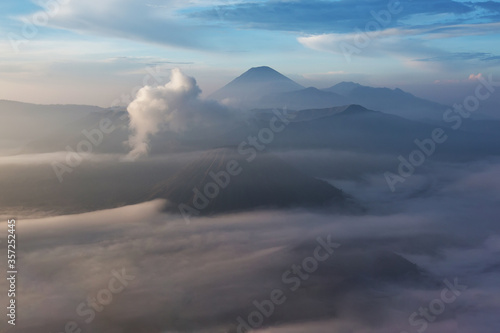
(175,106)
(48,158)
(154,22)
(183,271)
(393,40)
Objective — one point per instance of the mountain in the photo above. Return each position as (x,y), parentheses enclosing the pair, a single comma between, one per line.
(252,85)
(23,122)
(348,127)
(72,133)
(307,115)
(302,99)
(393,101)
(313,114)
(264,87)
(356,128)
(344,88)
(265,182)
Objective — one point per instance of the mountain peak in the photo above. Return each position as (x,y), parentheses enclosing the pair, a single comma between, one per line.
(355,108)
(347,84)
(252,85)
(263,73)
(344,87)
(262,68)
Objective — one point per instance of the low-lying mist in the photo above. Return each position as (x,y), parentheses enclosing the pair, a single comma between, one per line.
(207,275)
(182,214)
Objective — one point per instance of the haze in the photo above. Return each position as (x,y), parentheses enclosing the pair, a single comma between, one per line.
(250,166)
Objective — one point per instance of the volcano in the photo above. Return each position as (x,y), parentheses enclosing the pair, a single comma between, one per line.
(252,85)
(264,182)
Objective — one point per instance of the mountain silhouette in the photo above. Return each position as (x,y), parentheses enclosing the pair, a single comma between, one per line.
(303,99)
(265,182)
(392,101)
(252,85)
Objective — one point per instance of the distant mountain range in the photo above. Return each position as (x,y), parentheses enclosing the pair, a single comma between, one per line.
(303,99)
(347,127)
(394,101)
(322,120)
(258,89)
(263,87)
(355,128)
(23,122)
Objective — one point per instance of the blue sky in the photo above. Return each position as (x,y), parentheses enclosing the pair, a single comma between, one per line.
(95,51)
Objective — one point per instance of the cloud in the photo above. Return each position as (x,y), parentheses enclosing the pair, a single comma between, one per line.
(155,22)
(315,17)
(132,20)
(200,24)
(476,77)
(462,57)
(459,30)
(413,46)
(201,277)
(393,42)
(59,157)
(175,106)
(411,41)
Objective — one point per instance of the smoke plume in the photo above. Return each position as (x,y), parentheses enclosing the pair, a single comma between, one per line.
(175,106)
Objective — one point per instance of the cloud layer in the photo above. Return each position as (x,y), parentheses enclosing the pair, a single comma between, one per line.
(201,277)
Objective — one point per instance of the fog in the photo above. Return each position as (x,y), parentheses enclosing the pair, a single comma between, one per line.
(203,276)
(181,214)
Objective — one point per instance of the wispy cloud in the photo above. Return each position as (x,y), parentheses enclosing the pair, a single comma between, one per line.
(338,16)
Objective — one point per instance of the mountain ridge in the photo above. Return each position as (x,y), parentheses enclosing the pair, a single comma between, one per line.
(392,101)
(264,87)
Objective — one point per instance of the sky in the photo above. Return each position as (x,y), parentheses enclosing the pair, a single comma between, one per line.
(96,52)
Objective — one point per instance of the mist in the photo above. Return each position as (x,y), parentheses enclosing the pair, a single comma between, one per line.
(206,274)
(265,207)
